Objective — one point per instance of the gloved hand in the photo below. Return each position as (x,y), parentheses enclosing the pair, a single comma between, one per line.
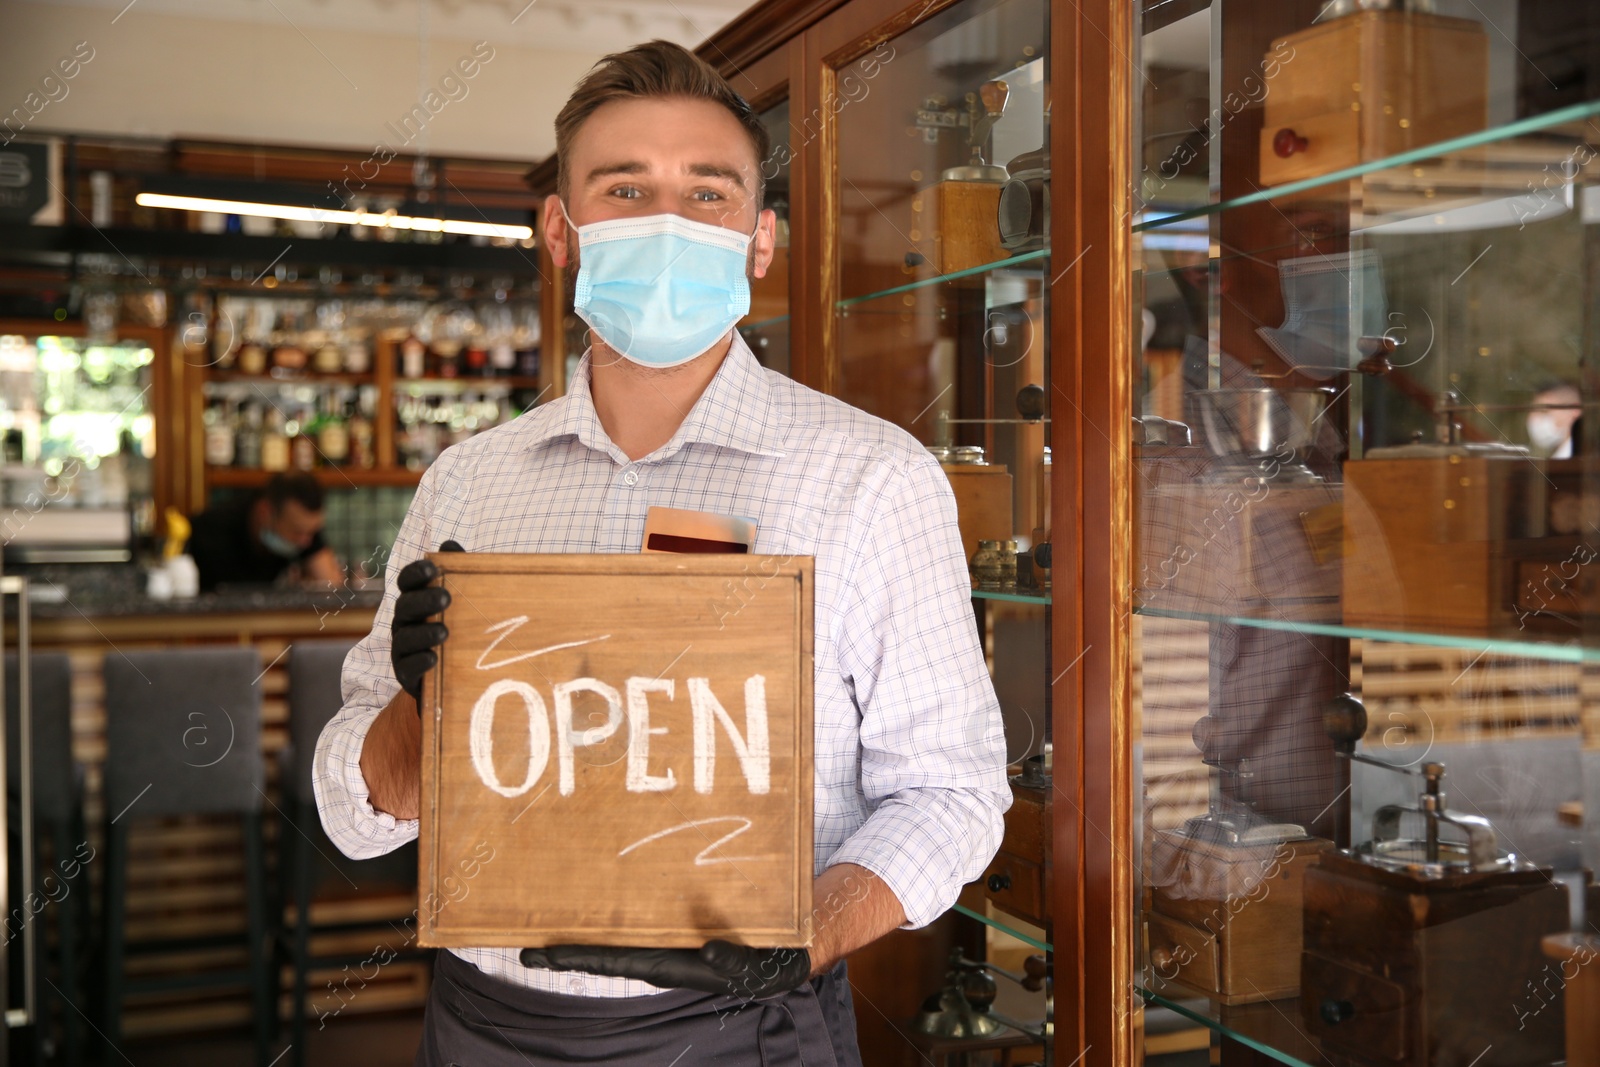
(717,967)
(412,638)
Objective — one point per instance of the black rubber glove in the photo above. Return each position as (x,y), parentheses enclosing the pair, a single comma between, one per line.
(718,966)
(412,638)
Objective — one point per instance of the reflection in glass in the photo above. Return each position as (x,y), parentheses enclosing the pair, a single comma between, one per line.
(766,328)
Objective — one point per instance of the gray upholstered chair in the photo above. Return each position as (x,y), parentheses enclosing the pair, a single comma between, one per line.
(183,737)
(312,866)
(60,890)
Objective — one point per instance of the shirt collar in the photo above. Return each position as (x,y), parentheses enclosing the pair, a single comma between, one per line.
(734,412)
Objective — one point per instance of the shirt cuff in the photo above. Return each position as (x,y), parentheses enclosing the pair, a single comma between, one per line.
(356,786)
(914,854)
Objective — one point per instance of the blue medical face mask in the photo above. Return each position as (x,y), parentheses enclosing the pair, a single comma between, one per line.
(278,544)
(660,290)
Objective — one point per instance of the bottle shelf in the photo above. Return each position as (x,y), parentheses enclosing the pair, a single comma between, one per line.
(328,477)
(1038,257)
(435,384)
(313,379)
(1559,650)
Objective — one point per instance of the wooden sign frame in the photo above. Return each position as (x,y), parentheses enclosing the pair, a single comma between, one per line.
(617,749)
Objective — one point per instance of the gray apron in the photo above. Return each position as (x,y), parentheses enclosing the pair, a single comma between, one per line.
(476,1020)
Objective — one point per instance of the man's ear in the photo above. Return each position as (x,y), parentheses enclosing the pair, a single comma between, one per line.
(766,241)
(556,230)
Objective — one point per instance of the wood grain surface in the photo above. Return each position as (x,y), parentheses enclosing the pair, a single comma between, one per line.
(617,750)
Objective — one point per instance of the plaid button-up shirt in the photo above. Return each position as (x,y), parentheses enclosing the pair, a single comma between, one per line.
(909,753)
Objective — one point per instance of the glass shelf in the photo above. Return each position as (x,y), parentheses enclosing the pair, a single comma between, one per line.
(1013,597)
(940,279)
(1009,931)
(1462,147)
(1560,652)
(1286,1018)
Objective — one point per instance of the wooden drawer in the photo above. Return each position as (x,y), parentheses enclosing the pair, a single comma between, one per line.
(1331,142)
(1027,833)
(1184,954)
(1017,886)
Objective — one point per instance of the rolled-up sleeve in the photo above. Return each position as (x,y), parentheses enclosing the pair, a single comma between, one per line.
(933,752)
(368,685)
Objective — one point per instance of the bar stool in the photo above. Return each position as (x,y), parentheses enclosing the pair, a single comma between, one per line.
(309,861)
(62,888)
(183,737)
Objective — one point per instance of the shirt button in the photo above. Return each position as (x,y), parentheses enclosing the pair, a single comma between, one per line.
(630,477)
(576,985)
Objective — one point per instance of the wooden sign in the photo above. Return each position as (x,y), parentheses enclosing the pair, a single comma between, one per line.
(629,737)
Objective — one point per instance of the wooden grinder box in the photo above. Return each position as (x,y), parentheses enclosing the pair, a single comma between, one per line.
(617,750)
(1225,920)
(1368,85)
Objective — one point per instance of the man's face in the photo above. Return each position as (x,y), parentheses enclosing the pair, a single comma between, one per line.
(672,156)
(295,523)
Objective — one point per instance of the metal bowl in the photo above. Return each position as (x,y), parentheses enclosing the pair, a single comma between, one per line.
(1261,423)
(1338,8)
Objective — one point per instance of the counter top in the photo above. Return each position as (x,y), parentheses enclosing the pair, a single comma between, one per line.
(96,591)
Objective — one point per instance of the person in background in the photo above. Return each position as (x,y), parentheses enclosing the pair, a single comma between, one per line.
(1550,428)
(257,539)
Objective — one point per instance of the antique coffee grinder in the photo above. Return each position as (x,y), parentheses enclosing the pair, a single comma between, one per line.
(1419,941)
(1225,914)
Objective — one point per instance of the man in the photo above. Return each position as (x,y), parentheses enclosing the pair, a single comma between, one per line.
(659,213)
(256,539)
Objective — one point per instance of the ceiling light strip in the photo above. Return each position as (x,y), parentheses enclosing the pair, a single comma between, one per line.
(323,215)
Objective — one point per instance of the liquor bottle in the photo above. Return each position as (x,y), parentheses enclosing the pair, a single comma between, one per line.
(475,362)
(288,356)
(502,359)
(329,358)
(303,450)
(333,435)
(252,358)
(357,357)
(360,427)
(413,357)
(247,440)
(219,444)
(449,353)
(274,442)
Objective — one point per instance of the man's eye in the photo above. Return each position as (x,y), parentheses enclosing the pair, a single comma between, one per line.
(627,192)
(706,196)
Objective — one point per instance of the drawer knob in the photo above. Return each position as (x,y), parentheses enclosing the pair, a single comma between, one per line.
(999,882)
(1335,1012)
(1286,143)
(1161,958)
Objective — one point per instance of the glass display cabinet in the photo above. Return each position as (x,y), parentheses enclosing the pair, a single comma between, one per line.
(1366,528)
(910,170)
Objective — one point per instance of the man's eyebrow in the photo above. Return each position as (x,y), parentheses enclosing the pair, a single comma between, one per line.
(713,170)
(606,170)
(699,170)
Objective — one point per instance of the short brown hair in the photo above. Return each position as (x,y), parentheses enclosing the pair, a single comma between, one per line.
(656,69)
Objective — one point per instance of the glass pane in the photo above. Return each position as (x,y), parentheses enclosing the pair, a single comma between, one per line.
(961,98)
(766,328)
(76,426)
(1367,526)
(941,328)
